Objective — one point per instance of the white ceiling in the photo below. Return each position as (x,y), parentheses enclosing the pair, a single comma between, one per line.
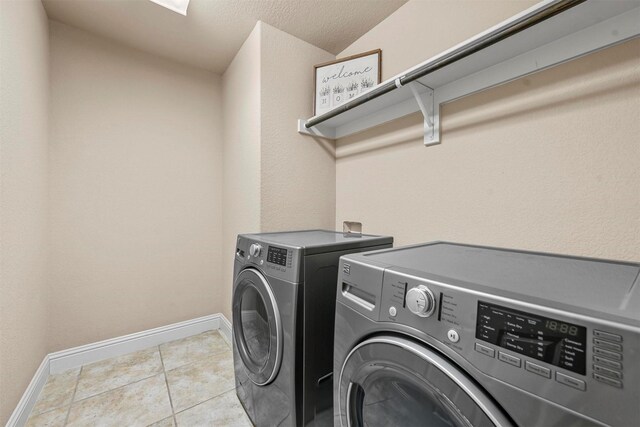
(213,30)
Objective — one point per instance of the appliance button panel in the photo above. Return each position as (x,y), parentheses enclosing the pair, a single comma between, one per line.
(607,345)
(607,380)
(548,340)
(608,372)
(511,360)
(606,362)
(607,336)
(487,351)
(606,353)
(570,381)
(537,369)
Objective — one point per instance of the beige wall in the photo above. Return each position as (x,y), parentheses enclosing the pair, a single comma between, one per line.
(136,190)
(421,29)
(241,189)
(297,172)
(24,93)
(275,179)
(550,162)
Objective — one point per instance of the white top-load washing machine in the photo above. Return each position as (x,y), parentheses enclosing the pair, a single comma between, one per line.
(284,295)
(444,334)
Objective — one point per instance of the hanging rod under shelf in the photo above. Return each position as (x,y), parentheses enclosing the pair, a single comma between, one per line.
(475,45)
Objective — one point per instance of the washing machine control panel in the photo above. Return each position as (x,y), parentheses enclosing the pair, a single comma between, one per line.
(560,356)
(277,255)
(275,261)
(553,341)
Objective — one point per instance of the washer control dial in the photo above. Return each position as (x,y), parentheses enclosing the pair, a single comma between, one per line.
(420,301)
(255,249)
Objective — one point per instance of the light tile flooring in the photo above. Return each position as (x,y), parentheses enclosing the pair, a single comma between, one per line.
(188,382)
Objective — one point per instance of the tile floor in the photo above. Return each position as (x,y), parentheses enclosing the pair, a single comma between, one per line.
(188,382)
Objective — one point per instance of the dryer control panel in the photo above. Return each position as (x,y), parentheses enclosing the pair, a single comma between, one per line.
(277,255)
(560,357)
(275,261)
(552,341)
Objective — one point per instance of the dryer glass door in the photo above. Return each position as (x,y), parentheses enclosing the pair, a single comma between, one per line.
(389,381)
(257,326)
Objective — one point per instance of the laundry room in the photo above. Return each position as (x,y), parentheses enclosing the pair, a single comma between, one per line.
(319,213)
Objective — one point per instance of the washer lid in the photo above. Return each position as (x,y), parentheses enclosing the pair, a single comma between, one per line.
(319,241)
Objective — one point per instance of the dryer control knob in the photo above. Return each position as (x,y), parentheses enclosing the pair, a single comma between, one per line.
(255,249)
(420,301)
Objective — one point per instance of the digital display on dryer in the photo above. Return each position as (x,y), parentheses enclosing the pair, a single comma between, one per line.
(277,255)
(559,343)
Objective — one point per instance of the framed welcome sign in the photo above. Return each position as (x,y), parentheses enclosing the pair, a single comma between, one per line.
(337,82)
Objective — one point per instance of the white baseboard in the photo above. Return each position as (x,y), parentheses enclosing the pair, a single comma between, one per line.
(78,356)
(61,361)
(225,329)
(27,402)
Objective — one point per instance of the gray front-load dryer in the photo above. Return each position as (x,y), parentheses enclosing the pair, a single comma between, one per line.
(444,334)
(283,306)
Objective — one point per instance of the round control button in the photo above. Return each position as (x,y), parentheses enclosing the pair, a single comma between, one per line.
(453,335)
(255,250)
(420,301)
(392,311)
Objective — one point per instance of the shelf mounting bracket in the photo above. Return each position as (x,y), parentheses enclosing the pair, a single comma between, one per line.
(424,96)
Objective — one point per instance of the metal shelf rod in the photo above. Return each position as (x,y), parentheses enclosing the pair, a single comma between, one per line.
(472,47)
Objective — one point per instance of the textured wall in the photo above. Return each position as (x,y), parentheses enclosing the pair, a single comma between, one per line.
(297,172)
(24,92)
(136,190)
(241,189)
(406,40)
(275,179)
(549,162)
(213,31)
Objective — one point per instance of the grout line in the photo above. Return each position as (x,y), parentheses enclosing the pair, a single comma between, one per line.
(208,399)
(37,414)
(228,343)
(201,359)
(147,377)
(73,397)
(166,381)
(119,387)
(164,372)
